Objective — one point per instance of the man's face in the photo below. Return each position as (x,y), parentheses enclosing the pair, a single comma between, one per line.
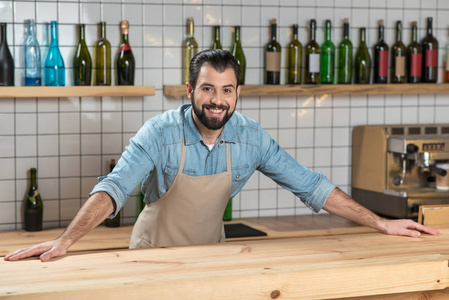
(214,97)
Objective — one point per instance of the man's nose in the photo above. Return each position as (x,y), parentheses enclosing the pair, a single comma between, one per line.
(217,98)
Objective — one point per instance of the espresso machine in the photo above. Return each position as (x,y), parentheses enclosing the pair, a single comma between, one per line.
(397,168)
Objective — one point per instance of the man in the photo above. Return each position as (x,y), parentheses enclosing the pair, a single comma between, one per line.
(192,161)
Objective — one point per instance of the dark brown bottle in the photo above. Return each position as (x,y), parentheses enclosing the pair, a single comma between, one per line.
(6,60)
(414,57)
(430,56)
(115,221)
(381,57)
(125,60)
(34,208)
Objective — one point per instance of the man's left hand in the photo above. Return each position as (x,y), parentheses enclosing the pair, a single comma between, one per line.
(406,227)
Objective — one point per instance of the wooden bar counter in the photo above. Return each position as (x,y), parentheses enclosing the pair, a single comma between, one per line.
(319,267)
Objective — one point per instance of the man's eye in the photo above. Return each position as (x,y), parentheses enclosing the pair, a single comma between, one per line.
(227,90)
(207,89)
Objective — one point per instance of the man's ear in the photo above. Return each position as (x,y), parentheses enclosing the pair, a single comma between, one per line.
(189,89)
(238,91)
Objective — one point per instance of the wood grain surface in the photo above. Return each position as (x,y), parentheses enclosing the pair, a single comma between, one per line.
(323,267)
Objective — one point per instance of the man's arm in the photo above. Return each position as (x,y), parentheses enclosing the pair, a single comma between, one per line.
(340,204)
(93,212)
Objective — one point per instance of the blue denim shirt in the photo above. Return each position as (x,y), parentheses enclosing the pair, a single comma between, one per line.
(154,154)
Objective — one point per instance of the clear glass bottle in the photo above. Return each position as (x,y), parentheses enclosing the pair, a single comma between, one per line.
(34,207)
(31,56)
(189,50)
(103,58)
(54,64)
(82,62)
(6,60)
(237,51)
(294,59)
(328,57)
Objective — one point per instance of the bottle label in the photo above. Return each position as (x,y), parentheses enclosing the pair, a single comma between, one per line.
(124,47)
(447,62)
(416,65)
(400,66)
(314,63)
(383,63)
(431,57)
(32,198)
(273,61)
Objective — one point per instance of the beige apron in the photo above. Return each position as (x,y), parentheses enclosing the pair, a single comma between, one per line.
(190,212)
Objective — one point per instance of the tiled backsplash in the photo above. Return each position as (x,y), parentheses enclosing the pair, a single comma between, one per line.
(71,140)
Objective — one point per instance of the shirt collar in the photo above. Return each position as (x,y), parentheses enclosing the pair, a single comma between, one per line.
(192,134)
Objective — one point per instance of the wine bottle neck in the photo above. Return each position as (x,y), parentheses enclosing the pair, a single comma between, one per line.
(33,178)
(82,33)
(237,34)
(54,33)
(381,33)
(362,36)
(217,33)
(295,32)
(328,31)
(125,38)
(414,34)
(312,31)
(273,31)
(399,32)
(3,32)
(103,30)
(190,29)
(429,26)
(346,30)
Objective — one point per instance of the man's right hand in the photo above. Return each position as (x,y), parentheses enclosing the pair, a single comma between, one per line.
(45,251)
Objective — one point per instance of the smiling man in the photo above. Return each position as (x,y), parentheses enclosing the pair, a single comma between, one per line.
(192,160)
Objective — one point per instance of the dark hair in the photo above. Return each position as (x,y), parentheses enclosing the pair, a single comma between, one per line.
(220,60)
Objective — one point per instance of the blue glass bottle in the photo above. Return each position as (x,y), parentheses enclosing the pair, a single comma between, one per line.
(32,56)
(54,64)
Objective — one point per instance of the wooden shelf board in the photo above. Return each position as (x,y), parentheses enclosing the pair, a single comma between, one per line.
(75,91)
(332,89)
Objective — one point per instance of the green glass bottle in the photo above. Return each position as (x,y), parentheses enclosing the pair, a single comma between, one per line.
(345,56)
(398,53)
(216,44)
(312,58)
(189,50)
(294,59)
(115,221)
(273,57)
(237,51)
(328,57)
(381,57)
(414,57)
(34,207)
(430,56)
(82,62)
(362,61)
(227,216)
(103,58)
(125,61)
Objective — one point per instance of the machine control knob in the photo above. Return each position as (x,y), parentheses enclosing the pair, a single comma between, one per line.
(397,180)
(412,148)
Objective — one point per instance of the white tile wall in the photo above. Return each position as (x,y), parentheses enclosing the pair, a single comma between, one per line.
(71,140)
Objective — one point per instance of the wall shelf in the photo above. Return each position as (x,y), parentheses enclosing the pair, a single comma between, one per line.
(75,91)
(333,89)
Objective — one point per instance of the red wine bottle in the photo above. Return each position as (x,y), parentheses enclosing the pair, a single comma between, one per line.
(125,59)
(381,57)
(414,57)
(430,55)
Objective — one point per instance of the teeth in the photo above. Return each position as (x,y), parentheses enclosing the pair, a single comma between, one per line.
(216,111)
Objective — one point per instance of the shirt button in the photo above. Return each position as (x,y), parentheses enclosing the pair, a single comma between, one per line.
(237,176)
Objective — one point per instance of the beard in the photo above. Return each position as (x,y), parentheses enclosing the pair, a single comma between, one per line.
(210,122)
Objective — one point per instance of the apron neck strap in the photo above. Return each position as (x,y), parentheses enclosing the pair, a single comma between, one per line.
(183,156)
